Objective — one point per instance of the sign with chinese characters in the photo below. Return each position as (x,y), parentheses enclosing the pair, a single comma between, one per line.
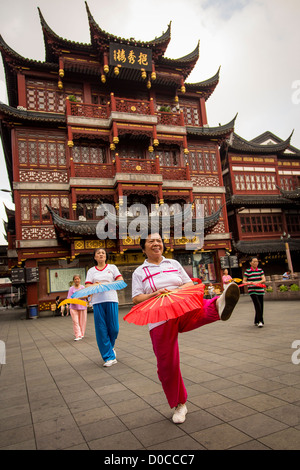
(130,57)
(17,276)
(32,275)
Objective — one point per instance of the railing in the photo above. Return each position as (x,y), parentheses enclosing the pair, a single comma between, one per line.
(89,110)
(174,173)
(132,106)
(123,105)
(105,170)
(135,166)
(170,119)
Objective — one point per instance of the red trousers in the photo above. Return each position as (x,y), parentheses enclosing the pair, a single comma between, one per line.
(165,346)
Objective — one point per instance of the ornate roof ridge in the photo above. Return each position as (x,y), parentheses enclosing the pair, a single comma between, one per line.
(48,32)
(272,136)
(243,145)
(5,48)
(88,227)
(205,83)
(191,57)
(264,246)
(31,115)
(213,131)
(95,29)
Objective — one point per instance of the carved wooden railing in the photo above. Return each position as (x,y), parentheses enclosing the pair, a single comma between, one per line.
(88,110)
(174,173)
(132,106)
(170,119)
(105,170)
(135,165)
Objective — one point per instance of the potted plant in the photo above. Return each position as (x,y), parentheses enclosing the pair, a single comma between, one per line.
(283,288)
(72,98)
(165,109)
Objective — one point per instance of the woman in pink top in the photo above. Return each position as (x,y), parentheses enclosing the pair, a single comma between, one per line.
(78,312)
(226,279)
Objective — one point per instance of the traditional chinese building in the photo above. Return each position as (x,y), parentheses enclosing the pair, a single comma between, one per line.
(262,180)
(94,123)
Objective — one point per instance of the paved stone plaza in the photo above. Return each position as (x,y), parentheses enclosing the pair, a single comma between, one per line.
(243,387)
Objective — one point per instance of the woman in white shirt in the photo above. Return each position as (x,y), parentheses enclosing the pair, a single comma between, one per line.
(157,275)
(105,306)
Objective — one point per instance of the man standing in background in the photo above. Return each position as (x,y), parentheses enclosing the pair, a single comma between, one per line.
(253,276)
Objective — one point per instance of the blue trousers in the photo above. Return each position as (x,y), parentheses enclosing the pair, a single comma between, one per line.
(107,328)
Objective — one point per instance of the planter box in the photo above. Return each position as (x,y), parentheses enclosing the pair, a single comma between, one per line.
(282,295)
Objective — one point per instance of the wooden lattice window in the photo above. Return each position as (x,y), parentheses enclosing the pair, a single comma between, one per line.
(88,154)
(43,95)
(266,223)
(202,160)
(34,207)
(191,113)
(46,152)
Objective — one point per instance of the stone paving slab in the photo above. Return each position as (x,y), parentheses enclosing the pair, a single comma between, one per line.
(243,388)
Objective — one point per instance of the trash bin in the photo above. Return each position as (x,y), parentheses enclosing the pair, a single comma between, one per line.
(33,312)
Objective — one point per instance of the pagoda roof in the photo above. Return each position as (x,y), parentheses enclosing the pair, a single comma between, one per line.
(294,194)
(88,227)
(265,246)
(269,138)
(101,37)
(219,132)
(184,64)
(240,145)
(206,87)
(53,42)
(21,114)
(13,61)
(260,200)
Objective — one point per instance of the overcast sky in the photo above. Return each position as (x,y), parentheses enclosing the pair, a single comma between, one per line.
(256,43)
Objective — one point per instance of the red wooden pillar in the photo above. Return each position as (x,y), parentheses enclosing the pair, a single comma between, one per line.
(32,289)
(22,101)
(203,112)
(74,204)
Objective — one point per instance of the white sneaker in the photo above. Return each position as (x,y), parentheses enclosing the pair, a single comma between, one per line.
(260,325)
(77,339)
(227,301)
(179,414)
(110,362)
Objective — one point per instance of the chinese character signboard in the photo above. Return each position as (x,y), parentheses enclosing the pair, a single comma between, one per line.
(32,275)
(17,276)
(130,57)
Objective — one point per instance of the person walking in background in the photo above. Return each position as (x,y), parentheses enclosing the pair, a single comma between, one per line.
(57,308)
(253,276)
(77,312)
(105,306)
(226,279)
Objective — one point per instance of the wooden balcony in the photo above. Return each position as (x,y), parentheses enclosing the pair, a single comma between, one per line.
(94,111)
(129,166)
(123,105)
(101,170)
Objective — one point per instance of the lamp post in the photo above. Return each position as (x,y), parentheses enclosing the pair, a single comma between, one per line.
(285,238)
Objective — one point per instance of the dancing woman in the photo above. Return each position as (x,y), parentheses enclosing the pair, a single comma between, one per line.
(157,275)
